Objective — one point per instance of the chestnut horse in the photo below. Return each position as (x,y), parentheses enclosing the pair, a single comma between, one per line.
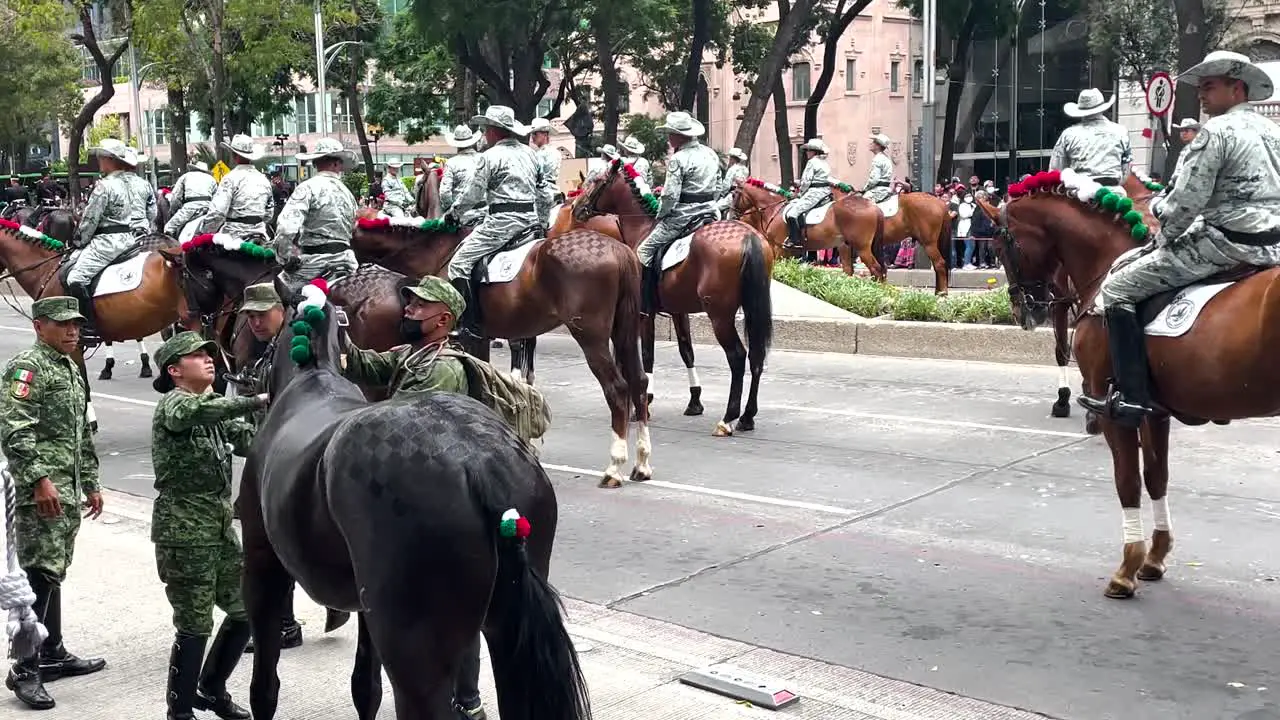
(427,201)
(1219,370)
(583,280)
(920,216)
(727,267)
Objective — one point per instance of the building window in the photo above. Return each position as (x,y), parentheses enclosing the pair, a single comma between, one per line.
(850,75)
(304,110)
(340,119)
(278,126)
(194,133)
(624,97)
(895,68)
(157,126)
(800,81)
(917,78)
(550,61)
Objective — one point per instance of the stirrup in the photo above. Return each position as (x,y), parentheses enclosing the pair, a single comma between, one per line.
(1116,408)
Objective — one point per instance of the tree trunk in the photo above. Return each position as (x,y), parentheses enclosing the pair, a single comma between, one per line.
(218,83)
(839,24)
(693,66)
(1191,50)
(762,87)
(957,73)
(603,26)
(179,119)
(106,91)
(782,132)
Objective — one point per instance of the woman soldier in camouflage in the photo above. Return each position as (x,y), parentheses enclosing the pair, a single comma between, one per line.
(198,556)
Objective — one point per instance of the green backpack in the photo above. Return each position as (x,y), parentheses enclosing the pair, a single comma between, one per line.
(521,405)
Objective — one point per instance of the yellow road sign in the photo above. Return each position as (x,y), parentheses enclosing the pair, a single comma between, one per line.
(219,171)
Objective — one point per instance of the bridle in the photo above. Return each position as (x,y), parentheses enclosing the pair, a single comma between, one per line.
(1025,292)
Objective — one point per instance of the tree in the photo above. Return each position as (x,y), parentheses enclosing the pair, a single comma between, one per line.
(360,22)
(41,70)
(161,40)
(88,38)
(788,30)
(108,127)
(830,32)
(414,82)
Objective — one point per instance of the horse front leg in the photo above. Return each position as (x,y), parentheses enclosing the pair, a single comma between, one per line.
(109,364)
(1155,474)
(1123,443)
(684,340)
(145,359)
(1062,353)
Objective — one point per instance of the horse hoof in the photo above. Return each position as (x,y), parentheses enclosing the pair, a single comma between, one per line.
(334,619)
(1119,589)
(1151,573)
(694,409)
(105,374)
(746,424)
(1091,425)
(722,430)
(145,372)
(637,476)
(93,427)
(609,482)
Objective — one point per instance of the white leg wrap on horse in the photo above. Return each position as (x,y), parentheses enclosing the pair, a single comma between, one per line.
(90,416)
(518,374)
(1133,525)
(1062,377)
(649,376)
(1161,510)
(617,457)
(693,378)
(111,352)
(142,347)
(644,451)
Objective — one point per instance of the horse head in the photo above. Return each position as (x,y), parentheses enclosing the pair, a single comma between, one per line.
(752,198)
(309,341)
(216,269)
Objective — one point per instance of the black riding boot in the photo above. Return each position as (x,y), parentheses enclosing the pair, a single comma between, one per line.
(55,661)
(25,678)
(466,686)
(88,330)
(649,291)
(795,234)
(184,672)
(469,322)
(224,654)
(1131,401)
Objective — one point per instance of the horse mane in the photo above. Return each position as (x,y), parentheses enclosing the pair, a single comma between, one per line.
(425,227)
(640,189)
(32,236)
(226,246)
(1111,202)
(769,187)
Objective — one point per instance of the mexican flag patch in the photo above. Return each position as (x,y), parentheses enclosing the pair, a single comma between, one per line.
(25,376)
(20,389)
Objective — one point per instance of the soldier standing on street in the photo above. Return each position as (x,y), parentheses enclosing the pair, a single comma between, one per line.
(1095,146)
(313,233)
(244,200)
(198,555)
(46,438)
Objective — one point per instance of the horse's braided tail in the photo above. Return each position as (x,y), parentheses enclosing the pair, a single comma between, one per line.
(25,631)
(626,329)
(757,300)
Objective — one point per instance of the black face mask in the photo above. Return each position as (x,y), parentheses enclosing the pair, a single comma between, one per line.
(411,330)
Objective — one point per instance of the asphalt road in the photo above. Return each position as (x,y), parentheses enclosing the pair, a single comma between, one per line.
(923,520)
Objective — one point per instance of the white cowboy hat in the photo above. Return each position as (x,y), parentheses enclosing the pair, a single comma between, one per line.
(500,116)
(200,165)
(883,141)
(816,145)
(633,146)
(1090,102)
(609,151)
(462,137)
(737,153)
(245,147)
(682,123)
(328,147)
(397,164)
(1187,124)
(1224,63)
(112,147)
(540,124)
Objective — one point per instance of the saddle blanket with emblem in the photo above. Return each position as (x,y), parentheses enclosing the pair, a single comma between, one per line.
(1180,314)
(890,206)
(122,277)
(506,265)
(816,215)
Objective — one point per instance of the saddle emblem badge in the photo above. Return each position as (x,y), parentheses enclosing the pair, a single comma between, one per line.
(1180,312)
(504,266)
(126,275)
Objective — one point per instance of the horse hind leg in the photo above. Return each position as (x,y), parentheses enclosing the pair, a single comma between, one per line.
(366,675)
(1155,475)
(684,340)
(145,359)
(1123,443)
(736,353)
(1062,354)
(600,360)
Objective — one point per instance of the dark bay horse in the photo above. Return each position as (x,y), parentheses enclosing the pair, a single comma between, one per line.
(428,200)
(728,267)
(583,280)
(1220,370)
(426,515)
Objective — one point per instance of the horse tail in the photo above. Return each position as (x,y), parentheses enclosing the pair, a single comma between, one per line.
(533,653)
(757,300)
(877,240)
(944,241)
(626,329)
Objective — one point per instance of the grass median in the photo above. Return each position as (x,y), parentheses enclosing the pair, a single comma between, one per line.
(869,298)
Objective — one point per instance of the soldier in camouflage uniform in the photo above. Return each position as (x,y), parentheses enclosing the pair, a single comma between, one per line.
(1224,212)
(634,156)
(314,230)
(880,177)
(510,179)
(189,200)
(245,200)
(142,219)
(1187,132)
(815,189)
(540,140)
(46,438)
(1095,146)
(396,200)
(600,165)
(458,171)
(198,555)
(432,307)
(735,173)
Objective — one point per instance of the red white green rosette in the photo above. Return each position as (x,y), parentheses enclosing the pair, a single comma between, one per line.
(514,525)
(639,188)
(770,187)
(33,235)
(386,222)
(229,243)
(1082,187)
(310,314)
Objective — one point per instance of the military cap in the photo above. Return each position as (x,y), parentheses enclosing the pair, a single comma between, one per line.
(433,289)
(260,298)
(58,308)
(178,346)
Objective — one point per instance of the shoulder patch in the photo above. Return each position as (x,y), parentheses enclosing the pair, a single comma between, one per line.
(19,389)
(1200,140)
(25,375)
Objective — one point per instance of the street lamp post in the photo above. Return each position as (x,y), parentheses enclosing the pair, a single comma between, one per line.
(324,58)
(928,167)
(135,83)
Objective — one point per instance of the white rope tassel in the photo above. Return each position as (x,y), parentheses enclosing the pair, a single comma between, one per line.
(1160,508)
(25,631)
(1133,525)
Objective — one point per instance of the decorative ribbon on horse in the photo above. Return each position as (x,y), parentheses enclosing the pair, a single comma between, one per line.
(638,186)
(311,313)
(33,235)
(437,225)
(230,243)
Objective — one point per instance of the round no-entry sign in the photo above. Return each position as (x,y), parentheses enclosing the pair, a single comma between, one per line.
(1160,94)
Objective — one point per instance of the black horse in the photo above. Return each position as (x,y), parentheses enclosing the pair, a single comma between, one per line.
(395,510)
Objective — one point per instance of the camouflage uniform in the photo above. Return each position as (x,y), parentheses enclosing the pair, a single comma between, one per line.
(1096,147)
(879,179)
(735,173)
(397,201)
(106,228)
(44,434)
(143,212)
(315,226)
(198,555)
(188,202)
(242,205)
(458,171)
(693,174)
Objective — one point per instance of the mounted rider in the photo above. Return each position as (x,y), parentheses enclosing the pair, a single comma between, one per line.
(396,200)
(879,185)
(244,201)
(189,200)
(634,156)
(598,166)
(1224,213)
(815,189)
(1187,130)
(106,229)
(314,230)
(458,171)
(735,173)
(689,192)
(1095,146)
(145,210)
(510,179)
(540,141)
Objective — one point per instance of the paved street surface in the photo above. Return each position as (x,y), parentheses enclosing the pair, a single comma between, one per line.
(924,521)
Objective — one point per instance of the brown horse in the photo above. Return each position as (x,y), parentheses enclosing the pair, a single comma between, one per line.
(728,266)
(920,216)
(1219,370)
(583,280)
(427,201)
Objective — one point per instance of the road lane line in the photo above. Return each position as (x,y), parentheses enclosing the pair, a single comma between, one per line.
(123,399)
(929,421)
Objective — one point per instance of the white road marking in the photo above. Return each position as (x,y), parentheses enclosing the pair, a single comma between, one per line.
(121,398)
(929,421)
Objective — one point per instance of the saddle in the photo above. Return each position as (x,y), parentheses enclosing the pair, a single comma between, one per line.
(1150,309)
(818,214)
(126,272)
(502,264)
(675,253)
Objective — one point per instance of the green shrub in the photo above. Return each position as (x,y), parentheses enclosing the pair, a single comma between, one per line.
(869,298)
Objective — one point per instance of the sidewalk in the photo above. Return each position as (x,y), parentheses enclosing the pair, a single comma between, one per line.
(116,609)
